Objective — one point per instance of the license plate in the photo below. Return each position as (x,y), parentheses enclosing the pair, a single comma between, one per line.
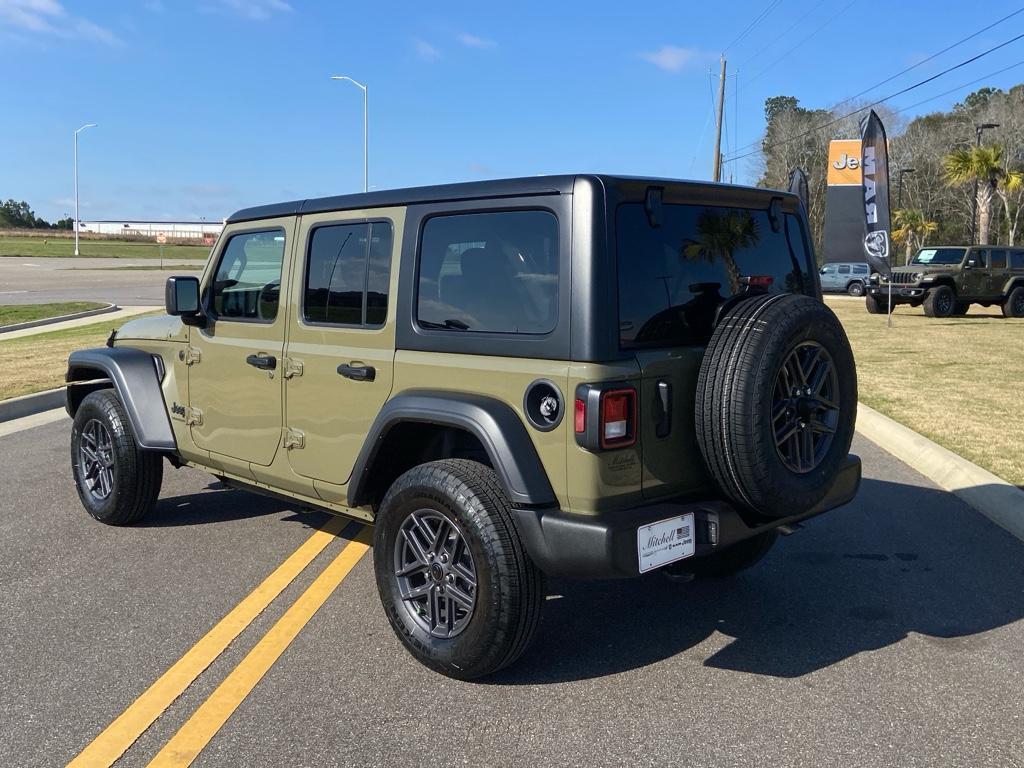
(665,541)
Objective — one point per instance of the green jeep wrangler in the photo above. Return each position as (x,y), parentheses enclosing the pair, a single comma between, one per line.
(948,279)
(581,376)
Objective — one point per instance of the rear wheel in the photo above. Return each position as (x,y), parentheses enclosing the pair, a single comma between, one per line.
(117,482)
(1014,304)
(941,302)
(855,288)
(776,402)
(455,581)
(873,306)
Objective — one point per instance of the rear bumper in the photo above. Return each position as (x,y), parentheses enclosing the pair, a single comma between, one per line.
(604,546)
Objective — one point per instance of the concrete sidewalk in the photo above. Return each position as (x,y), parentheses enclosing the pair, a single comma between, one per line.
(123,314)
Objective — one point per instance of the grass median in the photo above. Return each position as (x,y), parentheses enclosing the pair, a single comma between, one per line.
(38,362)
(956,380)
(42,248)
(12,314)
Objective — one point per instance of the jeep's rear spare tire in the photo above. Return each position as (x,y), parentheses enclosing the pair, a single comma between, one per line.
(776,403)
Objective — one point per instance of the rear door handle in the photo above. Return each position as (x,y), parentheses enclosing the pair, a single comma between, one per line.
(263,362)
(357,372)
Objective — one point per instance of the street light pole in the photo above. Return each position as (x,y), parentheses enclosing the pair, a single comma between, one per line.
(366,134)
(87,125)
(978,130)
(899,197)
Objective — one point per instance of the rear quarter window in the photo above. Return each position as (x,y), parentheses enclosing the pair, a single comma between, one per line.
(673,278)
(494,272)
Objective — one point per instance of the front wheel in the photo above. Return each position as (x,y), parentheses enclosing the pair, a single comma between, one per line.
(117,481)
(872,305)
(456,583)
(941,302)
(855,289)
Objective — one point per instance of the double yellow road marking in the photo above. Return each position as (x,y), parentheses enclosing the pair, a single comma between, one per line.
(186,744)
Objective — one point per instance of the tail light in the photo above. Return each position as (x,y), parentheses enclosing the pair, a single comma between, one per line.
(617,422)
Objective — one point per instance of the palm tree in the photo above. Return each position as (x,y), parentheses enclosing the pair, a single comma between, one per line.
(912,228)
(983,165)
(720,235)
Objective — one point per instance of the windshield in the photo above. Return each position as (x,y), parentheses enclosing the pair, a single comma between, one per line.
(939,256)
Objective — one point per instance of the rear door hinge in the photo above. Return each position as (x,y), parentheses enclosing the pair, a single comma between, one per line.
(193,417)
(191,355)
(292,367)
(294,438)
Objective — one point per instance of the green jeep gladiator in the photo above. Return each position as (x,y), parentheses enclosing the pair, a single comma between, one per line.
(584,376)
(946,280)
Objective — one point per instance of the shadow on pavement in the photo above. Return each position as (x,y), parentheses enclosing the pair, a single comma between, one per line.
(220,504)
(900,559)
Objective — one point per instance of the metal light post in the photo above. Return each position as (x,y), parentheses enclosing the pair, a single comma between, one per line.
(899,196)
(978,130)
(366,157)
(87,125)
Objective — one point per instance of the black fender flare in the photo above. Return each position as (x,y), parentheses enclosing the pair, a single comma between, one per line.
(1014,282)
(498,428)
(134,376)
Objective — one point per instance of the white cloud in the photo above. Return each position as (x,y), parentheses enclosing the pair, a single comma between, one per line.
(670,58)
(425,50)
(472,41)
(257,10)
(48,17)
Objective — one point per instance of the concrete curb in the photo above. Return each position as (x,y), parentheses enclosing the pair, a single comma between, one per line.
(61,319)
(29,405)
(998,500)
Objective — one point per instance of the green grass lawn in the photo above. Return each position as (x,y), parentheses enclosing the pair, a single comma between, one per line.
(41,248)
(956,380)
(11,314)
(38,362)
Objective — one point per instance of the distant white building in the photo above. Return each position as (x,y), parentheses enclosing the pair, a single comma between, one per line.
(197,230)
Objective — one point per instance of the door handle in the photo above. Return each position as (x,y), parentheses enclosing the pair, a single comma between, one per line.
(357,372)
(263,362)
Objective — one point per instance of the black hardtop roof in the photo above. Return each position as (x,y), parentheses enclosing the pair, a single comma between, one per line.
(471,190)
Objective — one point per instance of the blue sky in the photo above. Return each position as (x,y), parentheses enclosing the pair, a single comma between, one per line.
(205,106)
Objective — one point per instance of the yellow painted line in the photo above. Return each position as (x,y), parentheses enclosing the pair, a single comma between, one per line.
(133,722)
(194,735)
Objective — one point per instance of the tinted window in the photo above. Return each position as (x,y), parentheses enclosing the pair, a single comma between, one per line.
(997,259)
(1016,259)
(495,272)
(844,269)
(860,269)
(347,274)
(673,278)
(247,285)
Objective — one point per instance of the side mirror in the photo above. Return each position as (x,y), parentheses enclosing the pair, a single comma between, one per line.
(821,271)
(181,296)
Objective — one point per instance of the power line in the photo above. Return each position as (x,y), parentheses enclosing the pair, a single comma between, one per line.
(959,87)
(828,21)
(789,29)
(930,58)
(771,6)
(963,63)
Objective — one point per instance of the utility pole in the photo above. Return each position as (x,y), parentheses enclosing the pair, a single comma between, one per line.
(717,172)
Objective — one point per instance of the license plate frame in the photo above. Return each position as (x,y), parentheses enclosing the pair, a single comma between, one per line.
(665,541)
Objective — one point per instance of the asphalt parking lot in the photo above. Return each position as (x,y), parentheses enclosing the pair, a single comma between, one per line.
(42,280)
(885,633)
